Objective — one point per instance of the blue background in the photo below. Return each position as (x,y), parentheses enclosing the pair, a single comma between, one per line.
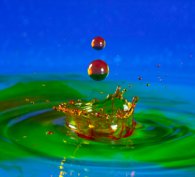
(41,37)
(47,36)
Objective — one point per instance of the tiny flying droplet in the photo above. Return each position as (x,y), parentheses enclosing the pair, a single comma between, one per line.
(49,133)
(158,65)
(27,99)
(148,84)
(140,78)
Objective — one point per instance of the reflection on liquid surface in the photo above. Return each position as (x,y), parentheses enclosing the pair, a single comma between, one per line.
(34,138)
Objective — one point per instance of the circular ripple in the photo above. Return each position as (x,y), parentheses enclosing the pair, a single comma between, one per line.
(156,138)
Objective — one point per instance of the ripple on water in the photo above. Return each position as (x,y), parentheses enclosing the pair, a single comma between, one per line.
(160,139)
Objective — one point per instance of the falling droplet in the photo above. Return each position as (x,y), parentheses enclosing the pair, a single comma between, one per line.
(98,70)
(98,43)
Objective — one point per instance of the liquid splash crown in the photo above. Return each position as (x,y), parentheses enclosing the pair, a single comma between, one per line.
(111,118)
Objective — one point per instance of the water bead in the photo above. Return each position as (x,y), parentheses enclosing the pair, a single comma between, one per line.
(98,43)
(148,84)
(140,78)
(98,70)
(49,132)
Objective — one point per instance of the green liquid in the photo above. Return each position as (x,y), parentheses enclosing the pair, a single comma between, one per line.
(161,137)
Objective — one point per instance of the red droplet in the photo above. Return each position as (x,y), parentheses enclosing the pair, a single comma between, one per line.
(98,70)
(71,102)
(49,133)
(98,43)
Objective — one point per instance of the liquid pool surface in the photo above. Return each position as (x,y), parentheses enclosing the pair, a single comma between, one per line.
(35,141)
